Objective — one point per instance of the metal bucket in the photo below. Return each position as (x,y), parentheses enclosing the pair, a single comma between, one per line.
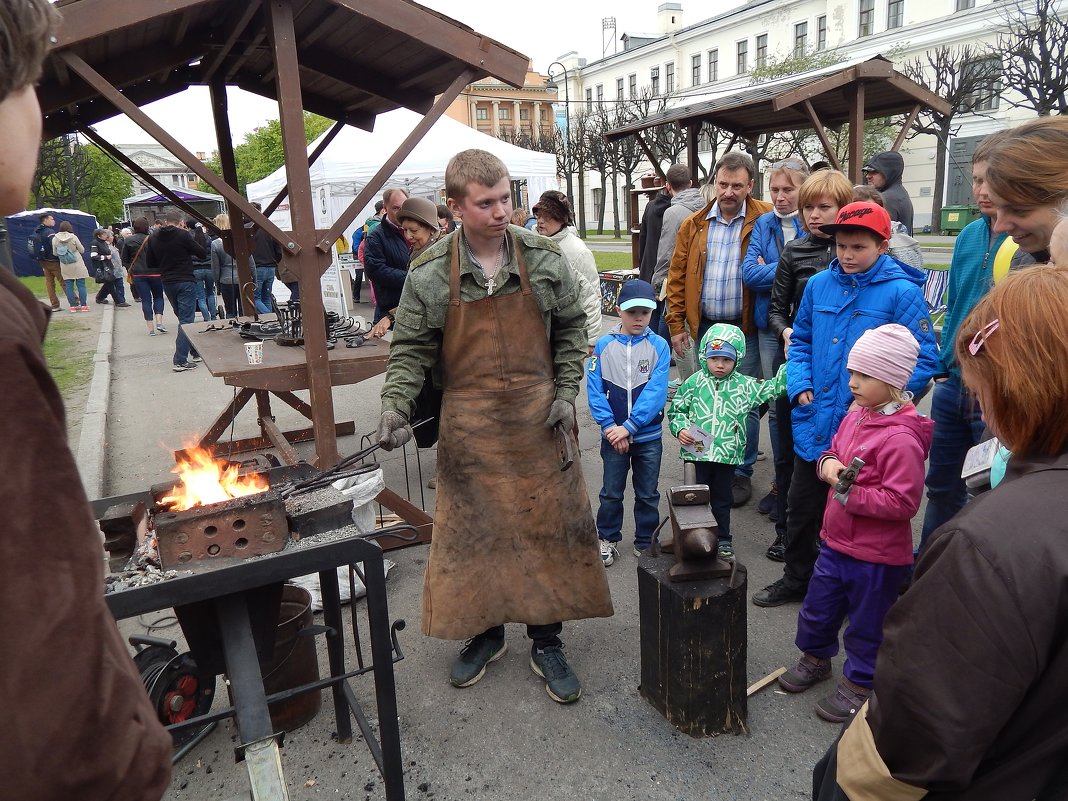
(294,663)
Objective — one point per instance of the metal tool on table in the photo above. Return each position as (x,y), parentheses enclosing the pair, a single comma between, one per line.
(846,479)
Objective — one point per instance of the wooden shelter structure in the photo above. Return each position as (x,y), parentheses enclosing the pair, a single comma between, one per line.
(820,99)
(348,60)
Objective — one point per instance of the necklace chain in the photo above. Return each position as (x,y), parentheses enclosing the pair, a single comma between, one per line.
(498,262)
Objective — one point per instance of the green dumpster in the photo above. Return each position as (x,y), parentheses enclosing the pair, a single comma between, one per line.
(954,218)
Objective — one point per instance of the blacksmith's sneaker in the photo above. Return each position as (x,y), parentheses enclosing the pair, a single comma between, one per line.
(844,703)
(470,665)
(560,680)
(741,491)
(777,594)
(608,552)
(808,671)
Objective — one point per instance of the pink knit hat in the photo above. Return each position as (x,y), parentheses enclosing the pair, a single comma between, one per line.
(888,353)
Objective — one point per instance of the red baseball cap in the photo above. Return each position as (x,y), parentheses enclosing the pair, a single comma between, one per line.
(861,216)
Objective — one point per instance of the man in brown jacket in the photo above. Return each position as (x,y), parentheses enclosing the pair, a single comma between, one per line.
(704,283)
(77,722)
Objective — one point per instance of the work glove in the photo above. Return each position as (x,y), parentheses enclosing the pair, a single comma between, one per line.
(393,430)
(563,413)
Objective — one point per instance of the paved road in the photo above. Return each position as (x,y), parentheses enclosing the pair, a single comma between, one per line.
(503,738)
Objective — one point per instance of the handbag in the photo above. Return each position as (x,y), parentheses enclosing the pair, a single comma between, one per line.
(427,410)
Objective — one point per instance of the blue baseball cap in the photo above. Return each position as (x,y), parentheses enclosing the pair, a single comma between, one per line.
(636,293)
(719,347)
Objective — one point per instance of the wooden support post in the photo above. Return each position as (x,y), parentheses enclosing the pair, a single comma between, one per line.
(238,236)
(692,134)
(855,96)
(822,134)
(905,128)
(693,648)
(649,155)
(308,263)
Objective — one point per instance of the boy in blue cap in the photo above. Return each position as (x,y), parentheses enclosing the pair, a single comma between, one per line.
(626,383)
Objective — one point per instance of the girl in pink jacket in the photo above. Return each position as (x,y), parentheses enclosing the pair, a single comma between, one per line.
(867,531)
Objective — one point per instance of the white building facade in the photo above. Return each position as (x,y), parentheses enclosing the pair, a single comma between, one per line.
(719,53)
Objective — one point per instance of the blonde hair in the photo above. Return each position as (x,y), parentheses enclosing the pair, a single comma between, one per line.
(1020,368)
(824,184)
(222,222)
(472,166)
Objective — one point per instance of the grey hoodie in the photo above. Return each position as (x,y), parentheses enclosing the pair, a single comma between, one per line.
(683,204)
(898,203)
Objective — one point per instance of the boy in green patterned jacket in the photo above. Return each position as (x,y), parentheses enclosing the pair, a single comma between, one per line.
(708,416)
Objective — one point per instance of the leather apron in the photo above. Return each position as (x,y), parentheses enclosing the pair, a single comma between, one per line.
(514,537)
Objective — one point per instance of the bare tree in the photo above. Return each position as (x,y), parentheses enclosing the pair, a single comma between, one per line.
(1032,47)
(968,79)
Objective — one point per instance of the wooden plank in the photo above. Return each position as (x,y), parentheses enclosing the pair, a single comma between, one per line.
(757,686)
(818,87)
(905,128)
(285,450)
(88,19)
(370,80)
(236,26)
(409,513)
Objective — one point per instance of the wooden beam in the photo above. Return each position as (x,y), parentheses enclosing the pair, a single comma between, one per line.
(920,94)
(324,143)
(394,161)
(317,104)
(365,79)
(131,165)
(648,151)
(307,263)
(239,240)
(153,129)
(88,19)
(855,95)
(693,132)
(818,87)
(905,128)
(813,117)
(236,27)
(482,54)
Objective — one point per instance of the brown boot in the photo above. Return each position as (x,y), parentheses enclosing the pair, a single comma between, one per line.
(844,703)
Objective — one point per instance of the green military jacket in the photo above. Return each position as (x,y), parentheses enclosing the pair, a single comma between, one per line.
(420,317)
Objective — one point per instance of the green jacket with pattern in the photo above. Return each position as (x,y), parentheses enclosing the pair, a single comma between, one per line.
(420,317)
(720,405)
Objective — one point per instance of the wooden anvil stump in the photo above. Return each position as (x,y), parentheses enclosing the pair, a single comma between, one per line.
(693,648)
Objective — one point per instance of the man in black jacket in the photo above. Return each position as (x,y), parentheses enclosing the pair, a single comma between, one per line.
(386,254)
(170,253)
(883,172)
(46,258)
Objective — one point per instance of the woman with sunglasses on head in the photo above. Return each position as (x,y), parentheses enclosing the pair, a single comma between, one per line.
(771,232)
(972,693)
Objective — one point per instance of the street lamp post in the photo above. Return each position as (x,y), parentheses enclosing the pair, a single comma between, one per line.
(567,123)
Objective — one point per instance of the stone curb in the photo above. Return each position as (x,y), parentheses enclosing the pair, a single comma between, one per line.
(91,454)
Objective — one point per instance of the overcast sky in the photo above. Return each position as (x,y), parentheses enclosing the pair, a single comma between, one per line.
(542,31)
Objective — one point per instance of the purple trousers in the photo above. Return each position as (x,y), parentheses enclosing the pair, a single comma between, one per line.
(842,587)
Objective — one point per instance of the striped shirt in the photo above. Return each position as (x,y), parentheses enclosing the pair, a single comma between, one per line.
(721,293)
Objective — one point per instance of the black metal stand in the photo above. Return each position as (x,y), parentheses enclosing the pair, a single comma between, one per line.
(227,588)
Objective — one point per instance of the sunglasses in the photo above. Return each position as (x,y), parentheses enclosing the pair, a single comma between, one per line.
(982,335)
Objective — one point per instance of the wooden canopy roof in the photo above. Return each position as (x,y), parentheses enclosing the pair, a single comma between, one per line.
(357,58)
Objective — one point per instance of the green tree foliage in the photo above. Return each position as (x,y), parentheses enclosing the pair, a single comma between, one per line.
(73,175)
(260,153)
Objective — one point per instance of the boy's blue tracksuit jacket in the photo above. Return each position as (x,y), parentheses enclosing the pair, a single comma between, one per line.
(626,382)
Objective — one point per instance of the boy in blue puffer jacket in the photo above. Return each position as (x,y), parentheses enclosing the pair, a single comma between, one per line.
(863,288)
(626,384)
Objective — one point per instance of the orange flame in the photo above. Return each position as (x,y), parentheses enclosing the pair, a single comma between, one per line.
(202,481)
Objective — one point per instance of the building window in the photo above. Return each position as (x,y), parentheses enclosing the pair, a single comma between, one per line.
(866,18)
(619,88)
(481,113)
(654,80)
(669,77)
(633,81)
(895,14)
(821,32)
(695,70)
(743,57)
(589,101)
(524,113)
(800,39)
(987,97)
(761,50)
(600,94)
(964,5)
(713,66)
(504,113)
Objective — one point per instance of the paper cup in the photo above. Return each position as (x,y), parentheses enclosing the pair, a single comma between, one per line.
(254,351)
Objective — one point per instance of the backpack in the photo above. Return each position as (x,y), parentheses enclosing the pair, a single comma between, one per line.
(37,248)
(66,255)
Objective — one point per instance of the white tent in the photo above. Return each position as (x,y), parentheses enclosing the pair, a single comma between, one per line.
(355,155)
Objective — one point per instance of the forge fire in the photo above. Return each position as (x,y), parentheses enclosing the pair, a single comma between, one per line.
(202,481)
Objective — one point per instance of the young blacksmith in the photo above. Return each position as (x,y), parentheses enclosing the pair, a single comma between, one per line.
(77,722)
(495,311)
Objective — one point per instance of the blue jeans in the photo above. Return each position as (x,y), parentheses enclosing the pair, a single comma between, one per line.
(114,289)
(150,289)
(957,428)
(643,459)
(749,365)
(68,288)
(183,298)
(205,286)
(264,280)
(770,358)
